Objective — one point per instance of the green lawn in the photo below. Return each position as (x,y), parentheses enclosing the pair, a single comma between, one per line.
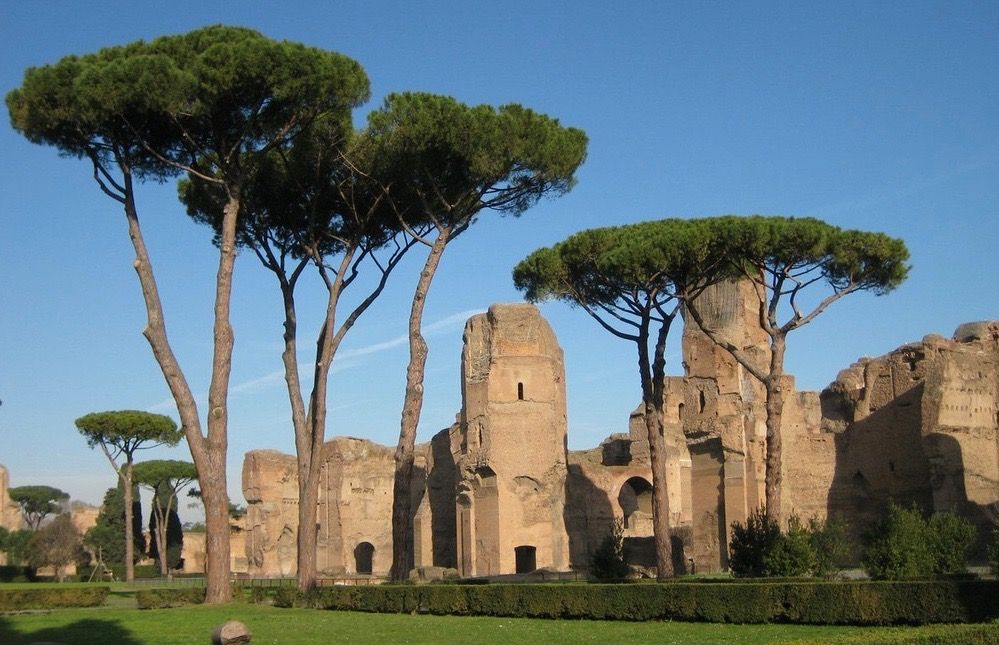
(116,623)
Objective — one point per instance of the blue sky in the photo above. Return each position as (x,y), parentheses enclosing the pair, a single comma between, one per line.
(874,115)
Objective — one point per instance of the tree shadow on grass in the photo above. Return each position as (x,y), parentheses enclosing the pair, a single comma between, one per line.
(85,631)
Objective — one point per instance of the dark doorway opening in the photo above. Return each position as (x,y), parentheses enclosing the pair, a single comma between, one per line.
(527,560)
(364,554)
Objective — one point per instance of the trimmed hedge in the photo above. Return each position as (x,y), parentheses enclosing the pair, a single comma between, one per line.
(825,603)
(162,598)
(51,598)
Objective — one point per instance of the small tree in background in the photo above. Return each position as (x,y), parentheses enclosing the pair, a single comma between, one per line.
(793,554)
(165,478)
(15,545)
(830,541)
(57,544)
(608,561)
(174,535)
(37,502)
(950,537)
(898,546)
(107,536)
(120,434)
(751,544)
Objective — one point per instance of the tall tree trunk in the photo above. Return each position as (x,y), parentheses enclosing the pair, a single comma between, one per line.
(126,479)
(774,384)
(402,536)
(660,492)
(208,453)
(651,373)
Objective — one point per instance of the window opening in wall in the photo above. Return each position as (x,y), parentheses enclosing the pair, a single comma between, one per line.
(526,557)
(520,391)
(364,554)
(702,402)
(635,500)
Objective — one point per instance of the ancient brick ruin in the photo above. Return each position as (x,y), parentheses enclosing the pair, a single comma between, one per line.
(499,493)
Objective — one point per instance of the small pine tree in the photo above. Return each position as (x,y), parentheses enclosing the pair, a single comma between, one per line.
(831,543)
(174,538)
(792,554)
(608,561)
(751,543)
(950,537)
(108,534)
(899,546)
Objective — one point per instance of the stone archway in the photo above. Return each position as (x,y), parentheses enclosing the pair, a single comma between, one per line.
(364,555)
(635,501)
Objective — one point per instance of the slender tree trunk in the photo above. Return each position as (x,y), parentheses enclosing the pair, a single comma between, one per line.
(652,395)
(775,409)
(208,453)
(402,536)
(160,537)
(129,518)
(660,492)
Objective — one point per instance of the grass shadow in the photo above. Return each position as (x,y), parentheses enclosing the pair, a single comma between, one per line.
(86,631)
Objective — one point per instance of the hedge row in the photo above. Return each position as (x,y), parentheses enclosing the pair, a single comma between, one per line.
(9,573)
(825,603)
(161,598)
(52,597)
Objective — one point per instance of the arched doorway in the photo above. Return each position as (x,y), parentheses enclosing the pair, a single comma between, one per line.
(635,500)
(526,557)
(364,555)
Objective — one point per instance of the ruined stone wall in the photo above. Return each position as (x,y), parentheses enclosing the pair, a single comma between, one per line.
(10,513)
(270,486)
(919,425)
(512,463)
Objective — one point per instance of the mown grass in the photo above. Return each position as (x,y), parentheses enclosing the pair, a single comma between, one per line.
(194,624)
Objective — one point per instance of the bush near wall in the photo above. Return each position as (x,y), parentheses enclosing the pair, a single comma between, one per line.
(52,597)
(831,603)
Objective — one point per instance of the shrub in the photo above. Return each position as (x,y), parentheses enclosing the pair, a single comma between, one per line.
(899,546)
(751,544)
(162,598)
(52,597)
(608,562)
(950,538)
(859,603)
(830,541)
(792,554)
(993,551)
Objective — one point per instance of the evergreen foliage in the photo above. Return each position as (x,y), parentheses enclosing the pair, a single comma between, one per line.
(15,545)
(950,537)
(608,561)
(107,536)
(760,549)
(807,602)
(905,545)
(752,544)
(37,502)
(174,537)
(831,544)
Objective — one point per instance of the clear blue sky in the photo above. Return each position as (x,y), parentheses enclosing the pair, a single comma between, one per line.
(874,115)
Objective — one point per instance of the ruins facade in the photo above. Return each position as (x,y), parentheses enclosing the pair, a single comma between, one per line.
(10,513)
(499,492)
